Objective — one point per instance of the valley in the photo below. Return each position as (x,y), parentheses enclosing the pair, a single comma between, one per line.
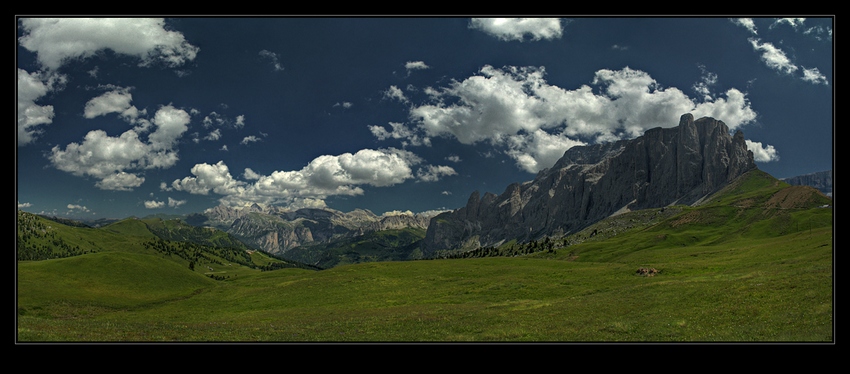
(753,263)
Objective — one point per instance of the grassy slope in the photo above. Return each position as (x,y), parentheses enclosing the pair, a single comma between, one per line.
(741,268)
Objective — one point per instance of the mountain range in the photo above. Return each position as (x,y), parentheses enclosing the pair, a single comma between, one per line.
(821,180)
(679,165)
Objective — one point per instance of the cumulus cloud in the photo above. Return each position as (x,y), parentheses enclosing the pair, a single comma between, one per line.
(538,150)
(108,158)
(31,88)
(324,176)
(153,204)
(509,29)
(58,40)
(73,207)
(215,178)
(762,153)
(24,205)
(115,101)
(515,109)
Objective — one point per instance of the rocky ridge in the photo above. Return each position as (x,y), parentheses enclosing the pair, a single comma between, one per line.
(677,165)
(276,230)
(821,180)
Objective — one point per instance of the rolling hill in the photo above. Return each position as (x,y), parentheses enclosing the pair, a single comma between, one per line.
(753,263)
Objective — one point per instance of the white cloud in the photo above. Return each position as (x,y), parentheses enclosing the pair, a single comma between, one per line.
(78,207)
(218,120)
(30,88)
(58,40)
(453,158)
(747,23)
(513,108)
(777,60)
(509,29)
(446,193)
(324,176)
(106,158)
(120,181)
(250,174)
(215,178)
(762,153)
(116,101)
(395,93)
(814,75)
(249,139)
(213,135)
(432,173)
(173,203)
(773,57)
(152,204)
(735,110)
(703,87)
(538,150)
(399,131)
(344,105)
(24,205)
(415,65)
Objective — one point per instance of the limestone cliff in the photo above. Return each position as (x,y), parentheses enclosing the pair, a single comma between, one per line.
(677,165)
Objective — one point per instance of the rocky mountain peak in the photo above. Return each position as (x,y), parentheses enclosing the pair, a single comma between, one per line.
(680,165)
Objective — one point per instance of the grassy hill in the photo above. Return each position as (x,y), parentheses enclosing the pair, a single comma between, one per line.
(753,264)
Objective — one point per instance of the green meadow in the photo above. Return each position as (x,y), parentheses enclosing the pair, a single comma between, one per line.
(753,264)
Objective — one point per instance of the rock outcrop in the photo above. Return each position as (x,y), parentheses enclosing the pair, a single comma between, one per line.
(678,165)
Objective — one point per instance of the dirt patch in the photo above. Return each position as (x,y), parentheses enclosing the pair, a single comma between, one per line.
(689,217)
(793,197)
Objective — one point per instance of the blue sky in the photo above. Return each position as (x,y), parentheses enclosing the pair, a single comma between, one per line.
(132,116)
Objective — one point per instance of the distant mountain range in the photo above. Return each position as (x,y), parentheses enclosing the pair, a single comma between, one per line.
(821,180)
(276,230)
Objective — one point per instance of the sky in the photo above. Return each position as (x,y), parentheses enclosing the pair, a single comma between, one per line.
(120,117)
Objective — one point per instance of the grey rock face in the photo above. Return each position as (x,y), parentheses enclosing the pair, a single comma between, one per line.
(276,231)
(677,165)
